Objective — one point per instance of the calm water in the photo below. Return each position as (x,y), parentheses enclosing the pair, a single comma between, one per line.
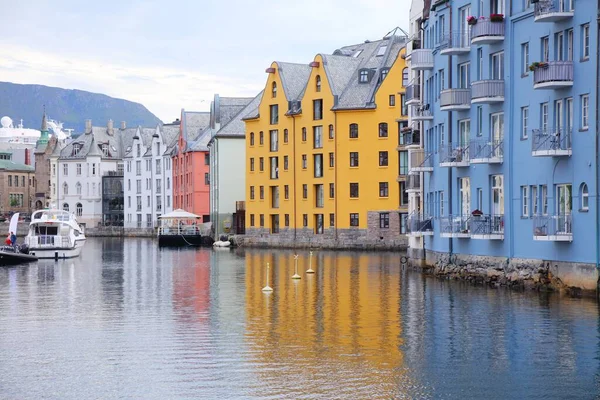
(129,321)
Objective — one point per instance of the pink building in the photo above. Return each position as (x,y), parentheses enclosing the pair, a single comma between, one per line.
(191,163)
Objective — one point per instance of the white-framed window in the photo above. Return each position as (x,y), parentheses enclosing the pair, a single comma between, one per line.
(559,46)
(78,188)
(524,201)
(544,117)
(585,111)
(479,121)
(534,200)
(480,199)
(78,169)
(464,75)
(545,48)
(79,209)
(497,65)
(479,64)
(525,58)
(441,203)
(570,45)
(544,196)
(585,197)
(65,169)
(524,122)
(585,41)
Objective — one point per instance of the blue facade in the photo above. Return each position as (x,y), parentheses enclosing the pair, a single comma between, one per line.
(513,133)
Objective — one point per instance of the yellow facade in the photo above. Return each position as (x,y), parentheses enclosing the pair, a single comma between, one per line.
(309,193)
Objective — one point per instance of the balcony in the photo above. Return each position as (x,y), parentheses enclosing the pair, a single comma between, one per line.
(419,225)
(553,228)
(553,75)
(487,32)
(413,94)
(420,161)
(553,10)
(455,226)
(421,112)
(487,92)
(487,227)
(551,142)
(455,43)
(452,155)
(414,43)
(410,137)
(413,183)
(486,152)
(455,99)
(421,59)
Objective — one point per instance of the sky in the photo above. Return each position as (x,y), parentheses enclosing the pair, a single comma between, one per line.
(174,54)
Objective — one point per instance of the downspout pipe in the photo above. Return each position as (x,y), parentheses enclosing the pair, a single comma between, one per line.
(596,139)
(294,166)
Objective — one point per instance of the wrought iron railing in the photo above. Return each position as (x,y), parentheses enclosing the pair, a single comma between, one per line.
(419,223)
(486,149)
(487,224)
(545,7)
(421,111)
(421,159)
(455,224)
(456,39)
(553,225)
(551,140)
(554,71)
(454,153)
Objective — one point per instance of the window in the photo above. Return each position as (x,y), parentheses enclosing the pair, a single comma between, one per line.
(353,131)
(261,164)
(559,46)
(585,200)
(354,159)
(479,199)
(286,219)
(78,188)
(261,138)
(251,138)
(65,189)
(318,164)
(286,192)
(332,220)
(570,45)
(524,201)
(251,192)
(383,129)
(274,196)
(354,219)
(354,190)
(319,196)
(251,219)
(534,200)
(363,76)
(331,160)
(65,170)
(206,178)
(78,169)
(545,48)
(273,140)
(138,168)
(305,191)
(10,180)
(524,121)
(318,83)
(404,109)
(251,164)
(544,116)
(525,58)
(464,76)
(585,106)
(285,163)
(262,192)
(383,189)
(383,158)
(262,220)
(384,220)
(405,77)
(403,162)
(274,90)
(384,72)
(331,132)
(304,161)
(285,136)
(206,159)
(442,203)
(331,190)
(158,171)
(497,66)
(585,41)
(392,101)
(66,207)
(479,121)
(317,109)
(304,134)
(317,137)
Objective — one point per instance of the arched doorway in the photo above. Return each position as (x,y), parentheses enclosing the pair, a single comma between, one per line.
(38,205)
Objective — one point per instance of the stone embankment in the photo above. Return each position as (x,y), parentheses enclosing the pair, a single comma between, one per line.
(282,242)
(540,275)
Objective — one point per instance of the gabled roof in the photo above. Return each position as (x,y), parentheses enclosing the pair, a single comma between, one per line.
(194,122)
(118,141)
(236,127)
(201,143)
(294,78)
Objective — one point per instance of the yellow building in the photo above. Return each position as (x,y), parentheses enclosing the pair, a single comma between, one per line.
(324,162)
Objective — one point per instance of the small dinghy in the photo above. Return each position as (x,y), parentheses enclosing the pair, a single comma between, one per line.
(15,255)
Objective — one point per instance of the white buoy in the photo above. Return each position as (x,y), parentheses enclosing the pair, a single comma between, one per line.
(296,276)
(267,288)
(310,270)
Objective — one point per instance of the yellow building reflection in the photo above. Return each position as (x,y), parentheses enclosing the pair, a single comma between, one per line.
(341,324)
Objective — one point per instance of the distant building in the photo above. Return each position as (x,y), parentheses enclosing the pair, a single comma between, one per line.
(112,199)
(227,149)
(191,162)
(16,185)
(45,146)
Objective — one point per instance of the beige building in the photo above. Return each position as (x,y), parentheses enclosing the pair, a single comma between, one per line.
(17,183)
(44,148)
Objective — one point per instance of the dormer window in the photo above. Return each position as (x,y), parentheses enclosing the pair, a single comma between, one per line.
(139,150)
(76,148)
(363,76)
(384,73)
(274,90)
(318,83)
(357,53)
(381,50)
(104,148)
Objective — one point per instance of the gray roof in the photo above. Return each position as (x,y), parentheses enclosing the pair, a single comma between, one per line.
(194,122)
(201,143)
(294,78)
(118,141)
(236,126)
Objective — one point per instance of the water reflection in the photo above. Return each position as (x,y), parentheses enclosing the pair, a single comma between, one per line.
(130,320)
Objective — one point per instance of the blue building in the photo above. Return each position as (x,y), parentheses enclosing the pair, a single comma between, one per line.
(504,161)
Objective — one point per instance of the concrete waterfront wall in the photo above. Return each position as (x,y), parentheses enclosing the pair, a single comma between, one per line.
(22,229)
(574,278)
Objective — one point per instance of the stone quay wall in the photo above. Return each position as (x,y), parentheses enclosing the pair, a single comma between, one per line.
(541,275)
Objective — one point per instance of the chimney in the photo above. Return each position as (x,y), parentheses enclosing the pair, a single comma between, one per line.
(88,126)
(123,125)
(27,157)
(110,127)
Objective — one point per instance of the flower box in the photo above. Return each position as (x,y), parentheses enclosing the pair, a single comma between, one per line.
(477,213)
(471,20)
(537,64)
(497,17)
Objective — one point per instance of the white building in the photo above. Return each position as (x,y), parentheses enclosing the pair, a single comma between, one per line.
(227,149)
(148,175)
(78,168)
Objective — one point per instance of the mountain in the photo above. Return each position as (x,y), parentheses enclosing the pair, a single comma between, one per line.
(71,107)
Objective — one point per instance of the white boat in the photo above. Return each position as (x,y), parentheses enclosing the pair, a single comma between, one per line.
(54,234)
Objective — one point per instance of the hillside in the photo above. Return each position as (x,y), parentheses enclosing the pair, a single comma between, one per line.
(72,107)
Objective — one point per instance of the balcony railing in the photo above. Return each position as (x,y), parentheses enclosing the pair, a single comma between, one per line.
(488,91)
(551,142)
(453,155)
(553,10)
(486,151)
(420,160)
(455,43)
(558,228)
(455,226)
(455,99)
(487,226)
(413,93)
(419,224)
(554,75)
(421,59)
(413,183)
(422,112)
(486,31)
